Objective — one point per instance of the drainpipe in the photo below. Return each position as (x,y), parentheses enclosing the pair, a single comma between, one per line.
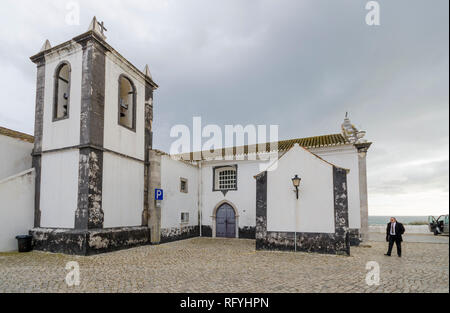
(199,200)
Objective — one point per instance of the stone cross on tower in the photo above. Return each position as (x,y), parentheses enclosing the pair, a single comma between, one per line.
(98,27)
(102,27)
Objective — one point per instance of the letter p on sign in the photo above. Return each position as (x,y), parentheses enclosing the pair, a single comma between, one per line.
(159,194)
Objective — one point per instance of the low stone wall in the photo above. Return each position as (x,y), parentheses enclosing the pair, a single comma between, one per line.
(409,229)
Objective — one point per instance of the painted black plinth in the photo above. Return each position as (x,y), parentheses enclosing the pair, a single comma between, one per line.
(247,232)
(179,233)
(206,231)
(89,242)
(355,239)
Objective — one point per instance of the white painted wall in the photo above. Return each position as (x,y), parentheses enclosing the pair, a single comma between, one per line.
(315,207)
(123,191)
(116,137)
(175,202)
(346,157)
(66,132)
(59,188)
(15,156)
(16,208)
(244,198)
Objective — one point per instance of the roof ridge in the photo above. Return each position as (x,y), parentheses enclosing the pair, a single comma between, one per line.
(283,145)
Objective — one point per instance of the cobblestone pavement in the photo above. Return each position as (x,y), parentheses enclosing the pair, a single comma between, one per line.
(425,238)
(229,265)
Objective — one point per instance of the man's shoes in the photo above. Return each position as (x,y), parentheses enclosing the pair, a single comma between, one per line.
(387,254)
(399,256)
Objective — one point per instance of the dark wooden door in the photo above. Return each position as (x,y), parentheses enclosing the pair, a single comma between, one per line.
(225,222)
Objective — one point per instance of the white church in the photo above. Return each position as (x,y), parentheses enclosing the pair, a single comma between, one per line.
(89,181)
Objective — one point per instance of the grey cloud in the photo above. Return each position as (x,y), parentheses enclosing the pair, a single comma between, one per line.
(298,64)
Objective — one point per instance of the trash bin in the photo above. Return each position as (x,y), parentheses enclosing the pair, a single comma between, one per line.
(24,243)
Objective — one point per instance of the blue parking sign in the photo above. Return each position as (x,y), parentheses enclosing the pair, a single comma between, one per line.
(159,194)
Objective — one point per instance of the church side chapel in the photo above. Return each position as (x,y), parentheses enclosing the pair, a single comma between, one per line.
(95,175)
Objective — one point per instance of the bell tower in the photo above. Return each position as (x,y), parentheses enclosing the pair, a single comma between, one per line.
(93,133)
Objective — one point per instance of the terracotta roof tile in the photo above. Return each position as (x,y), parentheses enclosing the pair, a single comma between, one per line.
(284,145)
(15,134)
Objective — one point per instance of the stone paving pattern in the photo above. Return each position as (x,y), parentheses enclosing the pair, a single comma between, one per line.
(229,265)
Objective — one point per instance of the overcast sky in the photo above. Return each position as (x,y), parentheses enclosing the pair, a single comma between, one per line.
(298,64)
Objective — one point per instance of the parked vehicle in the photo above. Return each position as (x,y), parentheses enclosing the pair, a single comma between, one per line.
(438,225)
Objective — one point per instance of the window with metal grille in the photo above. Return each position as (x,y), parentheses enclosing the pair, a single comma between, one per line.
(225,178)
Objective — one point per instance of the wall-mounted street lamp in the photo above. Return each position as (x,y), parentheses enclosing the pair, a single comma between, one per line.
(296,182)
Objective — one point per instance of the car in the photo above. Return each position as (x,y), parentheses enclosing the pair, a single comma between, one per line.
(438,225)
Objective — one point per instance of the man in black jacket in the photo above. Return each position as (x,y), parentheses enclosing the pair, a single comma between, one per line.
(394,232)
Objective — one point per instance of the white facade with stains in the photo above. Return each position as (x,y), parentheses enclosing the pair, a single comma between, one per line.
(95,172)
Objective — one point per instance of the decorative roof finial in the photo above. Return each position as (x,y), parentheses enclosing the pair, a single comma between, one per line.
(98,28)
(351,133)
(147,71)
(46,46)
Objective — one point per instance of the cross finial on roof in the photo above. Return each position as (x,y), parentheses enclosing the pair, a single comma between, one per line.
(98,27)
(102,27)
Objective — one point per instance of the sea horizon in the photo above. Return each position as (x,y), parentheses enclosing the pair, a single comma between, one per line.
(405,219)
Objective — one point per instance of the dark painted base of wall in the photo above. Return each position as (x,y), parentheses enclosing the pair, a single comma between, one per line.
(306,242)
(89,242)
(247,232)
(355,239)
(179,233)
(206,231)
(327,243)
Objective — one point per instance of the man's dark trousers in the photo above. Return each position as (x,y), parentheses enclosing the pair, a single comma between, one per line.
(398,243)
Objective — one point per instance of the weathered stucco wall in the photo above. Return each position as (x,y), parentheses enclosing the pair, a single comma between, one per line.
(337,242)
(346,157)
(16,208)
(59,188)
(175,202)
(243,199)
(123,191)
(65,132)
(15,156)
(314,210)
(116,137)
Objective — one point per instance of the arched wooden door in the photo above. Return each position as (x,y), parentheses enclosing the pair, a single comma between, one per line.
(225,222)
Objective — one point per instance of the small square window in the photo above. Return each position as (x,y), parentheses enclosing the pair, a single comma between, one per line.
(183,185)
(184,217)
